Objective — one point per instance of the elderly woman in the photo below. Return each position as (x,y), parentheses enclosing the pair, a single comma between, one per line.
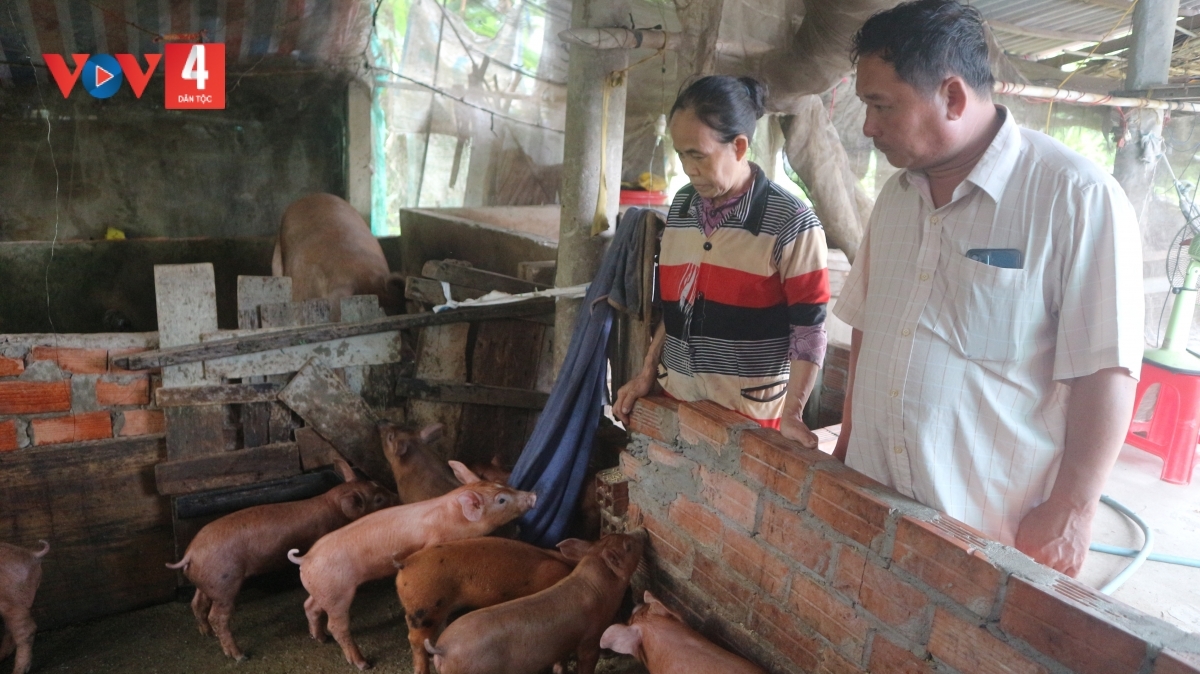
(742,273)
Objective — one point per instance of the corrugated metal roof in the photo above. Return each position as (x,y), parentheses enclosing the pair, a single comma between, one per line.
(1040,28)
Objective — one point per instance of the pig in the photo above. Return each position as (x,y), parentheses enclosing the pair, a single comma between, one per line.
(474,573)
(419,474)
(256,540)
(363,550)
(20,575)
(526,635)
(661,641)
(328,250)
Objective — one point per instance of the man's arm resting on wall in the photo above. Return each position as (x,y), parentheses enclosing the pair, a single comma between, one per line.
(843,441)
(1057,533)
(643,382)
(800,385)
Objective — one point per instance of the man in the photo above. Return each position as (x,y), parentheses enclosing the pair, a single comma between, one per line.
(996,300)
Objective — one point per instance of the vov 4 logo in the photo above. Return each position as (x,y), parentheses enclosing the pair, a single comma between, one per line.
(195,74)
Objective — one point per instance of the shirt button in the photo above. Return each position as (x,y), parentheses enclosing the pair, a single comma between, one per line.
(893,393)
(924,277)
(708,245)
(906,332)
(898,449)
(933,220)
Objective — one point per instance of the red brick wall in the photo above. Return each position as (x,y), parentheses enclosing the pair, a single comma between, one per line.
(788,557)
(63,388)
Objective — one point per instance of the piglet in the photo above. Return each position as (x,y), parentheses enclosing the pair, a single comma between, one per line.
(363,550)
(526,635)
(661,641)
(474,573)
(256,540)
(420,475)
(20,574)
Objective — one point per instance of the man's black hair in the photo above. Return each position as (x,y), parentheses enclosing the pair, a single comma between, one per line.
(927,40)
(729,105)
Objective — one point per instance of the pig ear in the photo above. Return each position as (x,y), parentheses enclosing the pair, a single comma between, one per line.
(353,505)
(431,433)
(344,470)
(574,549)
(625,639)
(463,473)
(472,505)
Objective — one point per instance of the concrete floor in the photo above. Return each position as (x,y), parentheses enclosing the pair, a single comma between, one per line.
(1172,511)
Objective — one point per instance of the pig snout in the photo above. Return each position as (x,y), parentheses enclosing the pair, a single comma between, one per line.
(528,501)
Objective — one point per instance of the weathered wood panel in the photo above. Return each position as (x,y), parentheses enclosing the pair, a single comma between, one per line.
(506,354)
(253,292)
(315,451)
(470,277)
(441,356)
(289,314)
(223,501)
(452,392)
(109,530)
(227,394)
(228,469)
(428,291)
(384,347)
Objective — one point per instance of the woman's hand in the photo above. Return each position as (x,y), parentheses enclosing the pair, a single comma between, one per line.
(628,394)
(793,428)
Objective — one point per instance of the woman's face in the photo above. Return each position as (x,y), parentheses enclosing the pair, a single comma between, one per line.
(715,168)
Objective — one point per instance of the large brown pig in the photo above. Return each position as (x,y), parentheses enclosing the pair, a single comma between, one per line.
(420,475)
(20,575)
(526,635)
(256,540)
(659,639)
(329,252)
(475,573)
(363,550)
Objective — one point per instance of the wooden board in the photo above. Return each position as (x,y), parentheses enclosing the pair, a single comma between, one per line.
(290,314)
(226,394)
(374,349)
(223,501)
(470,277)
(253,291)
(452,392)
(441,356)
(315,451)
(428,291)
(109,531)
(228,469)
(186,299)
(278,339)
(323,401)
(540,271)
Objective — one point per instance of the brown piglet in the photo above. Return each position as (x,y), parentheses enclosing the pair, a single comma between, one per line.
(256,540)
(362,551)
(526,635)
(474,573)
(20,575)
(420,474)
(661,641)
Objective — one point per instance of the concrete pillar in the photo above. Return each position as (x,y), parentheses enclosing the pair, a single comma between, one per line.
(1149,63)
(579,252)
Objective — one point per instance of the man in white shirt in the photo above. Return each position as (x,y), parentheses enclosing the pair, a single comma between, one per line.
(996,299)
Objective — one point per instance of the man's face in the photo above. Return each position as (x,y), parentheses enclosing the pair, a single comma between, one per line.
(907,126)
(712,166)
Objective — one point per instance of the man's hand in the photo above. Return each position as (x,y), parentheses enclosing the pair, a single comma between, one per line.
(843,443)
(793,428)
(638,387)
(1057,536)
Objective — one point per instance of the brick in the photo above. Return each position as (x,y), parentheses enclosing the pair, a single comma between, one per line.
(882,594)
(849,509)
(631,465)
(143,422)
(77,361)
(779,464)
(971,648)
(780,629)
(707,422)
(8,436)
(888,658)
(754,562)
(832,663)
(948,558)
(838,622)
(665,544)
(703,525)
(124,391)
(657,417)
(669,457)
(1053,621)
(730,497)
(1170,662)
(33,397)
(789,532)
(11,366)
(713,578)
(71,428)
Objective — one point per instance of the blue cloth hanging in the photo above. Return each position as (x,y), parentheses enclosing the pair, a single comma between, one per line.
(554,463)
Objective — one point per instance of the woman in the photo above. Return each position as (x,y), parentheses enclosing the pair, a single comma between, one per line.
(742,273)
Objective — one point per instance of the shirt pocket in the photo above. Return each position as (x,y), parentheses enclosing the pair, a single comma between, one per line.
(987,311)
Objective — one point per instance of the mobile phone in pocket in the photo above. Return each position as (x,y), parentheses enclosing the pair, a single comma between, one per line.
(1005,258)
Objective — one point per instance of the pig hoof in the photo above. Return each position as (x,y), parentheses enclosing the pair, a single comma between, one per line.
(242,657)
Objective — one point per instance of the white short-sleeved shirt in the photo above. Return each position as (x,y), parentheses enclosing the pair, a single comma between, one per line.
(957,398)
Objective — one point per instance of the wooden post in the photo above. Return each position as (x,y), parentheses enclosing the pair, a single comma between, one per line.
(579,252)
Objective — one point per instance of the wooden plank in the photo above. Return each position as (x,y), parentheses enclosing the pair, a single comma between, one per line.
(503,356)
(429,291)
(341,417)
(228,469)
(224,394)
(278,339)
(452,392)
(289,314)
(384,347)
(194,431)
(280,424)
(360,378)
(109,531)
(256,424)
(186,299)
(539,271)
(255,290)
(360,308)
(315,451)
(223,501)
(441,356)
(470,277)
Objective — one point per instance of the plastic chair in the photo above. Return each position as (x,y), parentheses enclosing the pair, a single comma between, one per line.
(1172,432)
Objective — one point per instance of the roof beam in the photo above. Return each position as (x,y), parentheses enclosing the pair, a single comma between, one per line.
(1111,4)
(1043,33)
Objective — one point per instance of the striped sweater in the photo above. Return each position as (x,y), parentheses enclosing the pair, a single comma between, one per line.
(730,299)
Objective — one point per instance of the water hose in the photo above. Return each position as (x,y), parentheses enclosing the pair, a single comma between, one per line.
(1139,556)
